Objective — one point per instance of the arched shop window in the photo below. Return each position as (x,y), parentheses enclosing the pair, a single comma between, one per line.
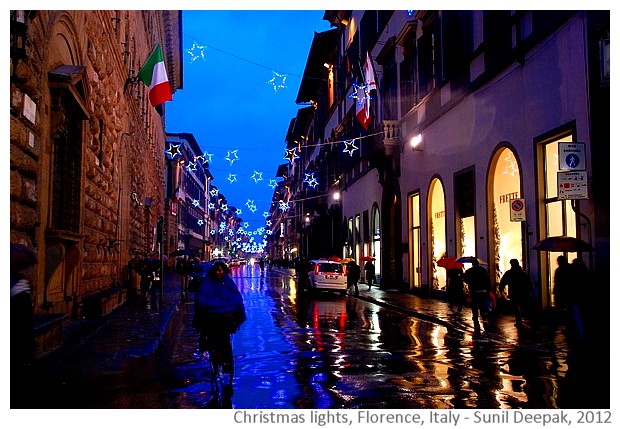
(437,233)
(506,234)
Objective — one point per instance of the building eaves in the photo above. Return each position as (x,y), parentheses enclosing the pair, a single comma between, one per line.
(322,51)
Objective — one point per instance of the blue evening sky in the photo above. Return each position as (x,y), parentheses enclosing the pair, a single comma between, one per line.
(226,101)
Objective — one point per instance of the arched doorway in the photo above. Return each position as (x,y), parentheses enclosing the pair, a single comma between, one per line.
(505,233)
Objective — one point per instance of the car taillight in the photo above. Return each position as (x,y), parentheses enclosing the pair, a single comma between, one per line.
(316,269)
(344,270)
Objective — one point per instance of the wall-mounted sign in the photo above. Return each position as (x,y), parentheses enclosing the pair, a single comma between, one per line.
(572,185)
(517,210)
(572,156)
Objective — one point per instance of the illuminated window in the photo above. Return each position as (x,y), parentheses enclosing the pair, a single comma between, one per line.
(438,231)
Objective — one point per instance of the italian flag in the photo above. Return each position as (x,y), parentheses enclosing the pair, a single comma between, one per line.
(153,74)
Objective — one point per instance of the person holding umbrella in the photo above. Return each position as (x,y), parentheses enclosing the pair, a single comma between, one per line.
(22,337)
(353,276)
(184,269)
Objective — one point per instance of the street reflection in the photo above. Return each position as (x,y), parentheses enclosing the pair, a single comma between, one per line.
(328,351)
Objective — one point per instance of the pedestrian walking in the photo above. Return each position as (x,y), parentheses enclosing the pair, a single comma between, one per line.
(353,276)
(455,288)
(218,313)
(578,302)
(566,286)
(369,269)
(519,289)
(22,338)
(479,283)
(184,269)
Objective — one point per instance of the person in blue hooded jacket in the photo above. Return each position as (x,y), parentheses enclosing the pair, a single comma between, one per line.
(218,313)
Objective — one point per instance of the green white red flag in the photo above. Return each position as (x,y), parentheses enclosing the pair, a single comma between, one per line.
(153,74)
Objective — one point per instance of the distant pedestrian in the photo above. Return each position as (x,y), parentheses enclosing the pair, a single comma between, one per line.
(261,264)
(302,268)
(479,282)
(353,276)
(369,269)
(519,289)
(22,338)
(455,288)
(184,269)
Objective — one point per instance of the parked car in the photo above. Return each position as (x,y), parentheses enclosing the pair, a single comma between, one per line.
(227,261)
(327,275)
(198,274)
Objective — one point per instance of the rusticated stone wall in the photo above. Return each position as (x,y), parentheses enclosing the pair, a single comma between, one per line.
(122,148)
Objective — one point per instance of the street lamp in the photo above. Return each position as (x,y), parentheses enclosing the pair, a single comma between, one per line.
(416,142)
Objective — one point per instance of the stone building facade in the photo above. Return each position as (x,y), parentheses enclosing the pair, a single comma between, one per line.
(86,153)
(471,117)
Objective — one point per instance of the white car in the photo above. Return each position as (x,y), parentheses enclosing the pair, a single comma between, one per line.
(327,275)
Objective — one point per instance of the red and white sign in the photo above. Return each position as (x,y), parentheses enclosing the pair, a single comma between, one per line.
(517,210)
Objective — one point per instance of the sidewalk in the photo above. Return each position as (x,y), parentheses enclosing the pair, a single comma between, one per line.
(121,348)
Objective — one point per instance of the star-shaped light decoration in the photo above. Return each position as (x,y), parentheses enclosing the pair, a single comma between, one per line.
(311,180)
(191,166)
(252,208)
(269,232)
(212,232)
(249,202)
(278,81)
(232,156)
(201,222)
(273,183)
(211,206)
(196,52)
(291,154)
(224,207)
(214,192)
(208,156)
(246,225)
(284,206)
(265,215)
(360,93)
(232,177)
(196,203)
(202,159)
(174,150)
(238,212)
(257,176)
(350,147)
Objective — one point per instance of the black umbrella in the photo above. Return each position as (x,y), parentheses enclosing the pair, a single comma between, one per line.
(181,252)
(562,243)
